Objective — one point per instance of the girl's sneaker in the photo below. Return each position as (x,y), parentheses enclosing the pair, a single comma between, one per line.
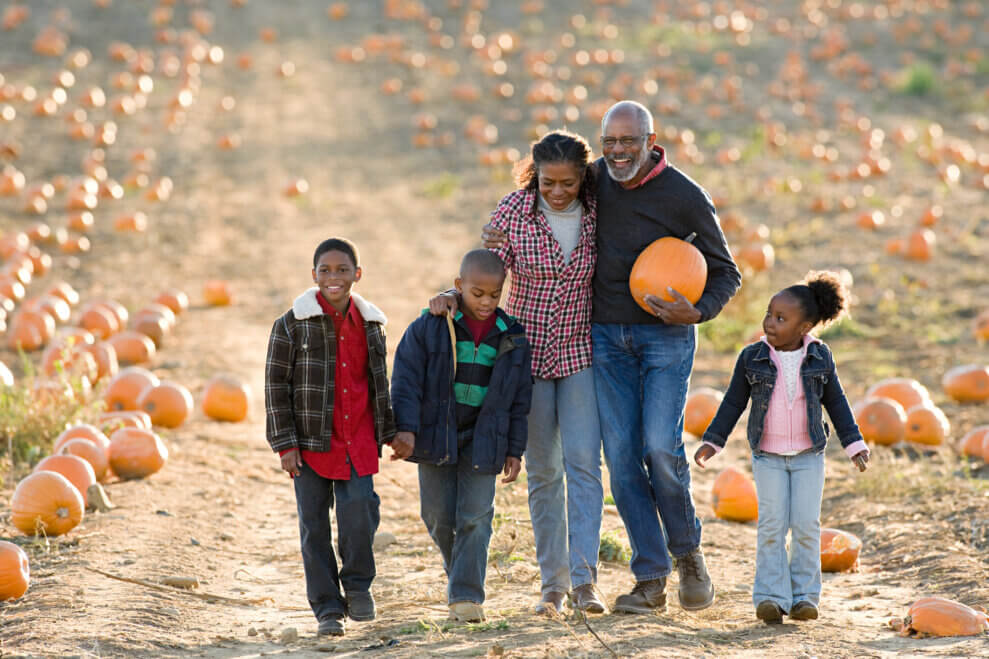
(803,611)
(769,612)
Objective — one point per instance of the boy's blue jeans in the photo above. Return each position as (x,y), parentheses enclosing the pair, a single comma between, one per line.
(565,438)
(790,489)
(641,373)
(457,506)
(357,511)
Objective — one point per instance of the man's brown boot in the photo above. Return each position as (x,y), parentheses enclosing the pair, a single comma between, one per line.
(696,589)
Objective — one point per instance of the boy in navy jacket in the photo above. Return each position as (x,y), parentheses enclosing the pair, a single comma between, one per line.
(461,389)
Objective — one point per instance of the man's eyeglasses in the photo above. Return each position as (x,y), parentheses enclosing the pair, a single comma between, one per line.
(626,141)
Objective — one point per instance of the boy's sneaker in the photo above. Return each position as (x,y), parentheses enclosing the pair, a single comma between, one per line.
(803,610)
(769,612)
(646,597)
(360,606)
(466,612)
(585,598)
(552,603)
(331,625)
(696,589)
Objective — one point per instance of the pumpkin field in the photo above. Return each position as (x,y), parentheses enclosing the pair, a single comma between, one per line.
(168,166)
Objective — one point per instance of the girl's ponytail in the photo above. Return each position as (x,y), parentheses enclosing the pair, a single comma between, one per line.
(822,295)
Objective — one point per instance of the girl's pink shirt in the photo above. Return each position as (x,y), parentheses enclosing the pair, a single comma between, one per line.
(785,427)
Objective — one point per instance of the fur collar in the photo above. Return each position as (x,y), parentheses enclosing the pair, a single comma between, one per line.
(306,306)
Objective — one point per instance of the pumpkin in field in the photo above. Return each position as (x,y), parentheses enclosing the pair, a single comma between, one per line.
(102,322)
(702,405)
(162,310)
(975,442)
(905,391)
(79,472)
(30,330)
(81,431)
(90,452)
(46,502)
(174,299)
(110,421)
(937,616)
(168,404)
(734,496)
(217,293)
(69,359)
(153,326)
(757,256)
(136,453)
(920,245)
(839,550)
(15,573)
(668,262)
(225,399)
(927,424)
(127,387)
(967,384)
(132,347)
(882,421)
(105,355)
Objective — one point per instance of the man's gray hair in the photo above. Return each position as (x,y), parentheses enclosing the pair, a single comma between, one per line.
(623,107)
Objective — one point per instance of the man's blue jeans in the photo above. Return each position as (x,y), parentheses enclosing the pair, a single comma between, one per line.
(565,438)
(790,489)
(457,506)
(642,373)
(357,510)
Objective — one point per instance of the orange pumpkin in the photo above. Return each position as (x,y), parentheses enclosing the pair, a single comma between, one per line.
(734,496)
(90,452)
(136,453)
(905,391)
(668,262)
(102,322)
(69,359)
(128,385)
(217,293)
(46,502)
(174,299)
(106,359)
(79,472)
(881,420)
(839,550)
(132,347)
(967,384)
(30,330)
(758,256)
(15,573)
(110,421)
(168,404)
(920,245)
(65,291)
(115,308)
(226,399)
(156,309)
(53,305)
(927,424)
(702,405)
(975,442)
(937,616)
(153,326)
(81,431)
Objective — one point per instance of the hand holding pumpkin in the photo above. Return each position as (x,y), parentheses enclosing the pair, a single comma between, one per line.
(861,460)
(678,312)
(704,453)
(402,444)
(292,462)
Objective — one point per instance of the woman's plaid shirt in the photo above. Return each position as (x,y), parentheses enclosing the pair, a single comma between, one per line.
(550,297)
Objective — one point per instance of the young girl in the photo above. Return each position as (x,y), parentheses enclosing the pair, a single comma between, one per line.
(787,434)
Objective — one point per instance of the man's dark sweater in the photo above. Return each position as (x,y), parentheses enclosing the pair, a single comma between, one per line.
(629,220)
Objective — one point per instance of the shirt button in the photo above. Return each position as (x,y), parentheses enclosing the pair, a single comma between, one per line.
(344,391)
(346,417)
(345,364)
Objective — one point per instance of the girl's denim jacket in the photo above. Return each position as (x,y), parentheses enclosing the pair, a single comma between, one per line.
(755,376)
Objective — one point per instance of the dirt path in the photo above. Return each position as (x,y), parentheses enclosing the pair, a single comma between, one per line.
(222,510)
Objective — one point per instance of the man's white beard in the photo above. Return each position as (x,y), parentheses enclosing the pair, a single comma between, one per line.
(637,165)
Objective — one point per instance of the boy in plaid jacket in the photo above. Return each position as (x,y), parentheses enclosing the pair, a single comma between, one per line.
(328,414)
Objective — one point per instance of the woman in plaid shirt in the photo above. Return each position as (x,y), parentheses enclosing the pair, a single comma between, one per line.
(549,224)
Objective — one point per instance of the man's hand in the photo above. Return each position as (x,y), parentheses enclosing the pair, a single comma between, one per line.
(402,445)
(292,462)
(861,460)
(512,468)
(704,453)
(678,312)
(492,238)
(442,304)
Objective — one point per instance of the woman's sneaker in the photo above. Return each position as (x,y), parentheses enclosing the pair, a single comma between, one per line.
(769,612)
(466,612)
(803,610)
(646,597)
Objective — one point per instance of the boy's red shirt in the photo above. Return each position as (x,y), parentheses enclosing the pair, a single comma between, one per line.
(353,439)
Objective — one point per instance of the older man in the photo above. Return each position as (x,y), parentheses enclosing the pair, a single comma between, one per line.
(642,361)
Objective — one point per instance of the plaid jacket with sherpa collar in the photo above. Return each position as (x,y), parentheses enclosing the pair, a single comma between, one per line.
(299,375)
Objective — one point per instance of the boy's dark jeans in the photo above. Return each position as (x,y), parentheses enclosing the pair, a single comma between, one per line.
(457,506)
(357,513)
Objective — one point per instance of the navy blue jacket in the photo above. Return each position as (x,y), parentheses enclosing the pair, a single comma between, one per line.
(755,376)
(424,403)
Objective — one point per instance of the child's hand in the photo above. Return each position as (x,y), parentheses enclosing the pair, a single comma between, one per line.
(292,462)
(402,445)
(861,460)
(512,468)
(442,304)
(703,454)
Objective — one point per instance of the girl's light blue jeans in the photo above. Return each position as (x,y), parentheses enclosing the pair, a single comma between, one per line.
(790,490)
(565,440)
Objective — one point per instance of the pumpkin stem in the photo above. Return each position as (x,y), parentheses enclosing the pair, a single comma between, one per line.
(690,238)
(62,512)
